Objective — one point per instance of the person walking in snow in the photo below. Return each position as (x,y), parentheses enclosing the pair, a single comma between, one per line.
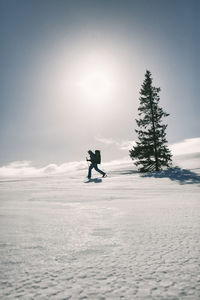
(95,159)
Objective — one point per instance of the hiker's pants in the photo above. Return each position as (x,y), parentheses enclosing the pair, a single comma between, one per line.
(96,168)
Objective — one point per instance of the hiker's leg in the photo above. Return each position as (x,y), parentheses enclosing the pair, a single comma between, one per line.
(98,170)
(90,170)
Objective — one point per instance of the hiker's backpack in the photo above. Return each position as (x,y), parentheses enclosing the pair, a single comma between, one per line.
(98,156)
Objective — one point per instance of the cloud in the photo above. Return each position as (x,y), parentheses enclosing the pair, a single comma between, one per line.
(122,144)
(126,145)
(107,141)
(25,169)
(187,146)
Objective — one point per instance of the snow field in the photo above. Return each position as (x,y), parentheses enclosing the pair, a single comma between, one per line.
(123,237)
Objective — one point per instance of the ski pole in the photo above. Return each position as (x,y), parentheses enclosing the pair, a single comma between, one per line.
(87,162)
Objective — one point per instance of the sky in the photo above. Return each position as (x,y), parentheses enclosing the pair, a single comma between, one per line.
(71,72)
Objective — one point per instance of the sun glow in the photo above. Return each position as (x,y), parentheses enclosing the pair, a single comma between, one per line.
(95,80)
(96,83)
(91,85)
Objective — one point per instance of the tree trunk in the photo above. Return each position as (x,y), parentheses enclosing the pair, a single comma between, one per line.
(154,134)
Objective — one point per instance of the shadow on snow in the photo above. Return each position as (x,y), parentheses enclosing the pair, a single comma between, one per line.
(124,172)
(95,180)
(183,176)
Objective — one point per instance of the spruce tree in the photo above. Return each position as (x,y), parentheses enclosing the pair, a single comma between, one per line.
(151,152)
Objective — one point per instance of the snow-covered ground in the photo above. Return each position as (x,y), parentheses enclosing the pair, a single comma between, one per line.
(128,236)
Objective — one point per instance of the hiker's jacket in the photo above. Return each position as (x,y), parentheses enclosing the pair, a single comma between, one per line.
(92,158)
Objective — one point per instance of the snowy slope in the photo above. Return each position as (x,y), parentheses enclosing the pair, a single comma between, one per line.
(128,236)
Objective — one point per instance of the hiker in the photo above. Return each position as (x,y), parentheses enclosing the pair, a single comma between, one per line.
(95,159)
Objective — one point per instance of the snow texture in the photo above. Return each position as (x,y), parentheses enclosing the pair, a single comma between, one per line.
(128,236)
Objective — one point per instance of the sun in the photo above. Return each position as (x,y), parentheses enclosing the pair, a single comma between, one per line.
(96,82)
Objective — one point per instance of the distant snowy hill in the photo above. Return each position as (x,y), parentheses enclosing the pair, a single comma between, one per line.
(185,154)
